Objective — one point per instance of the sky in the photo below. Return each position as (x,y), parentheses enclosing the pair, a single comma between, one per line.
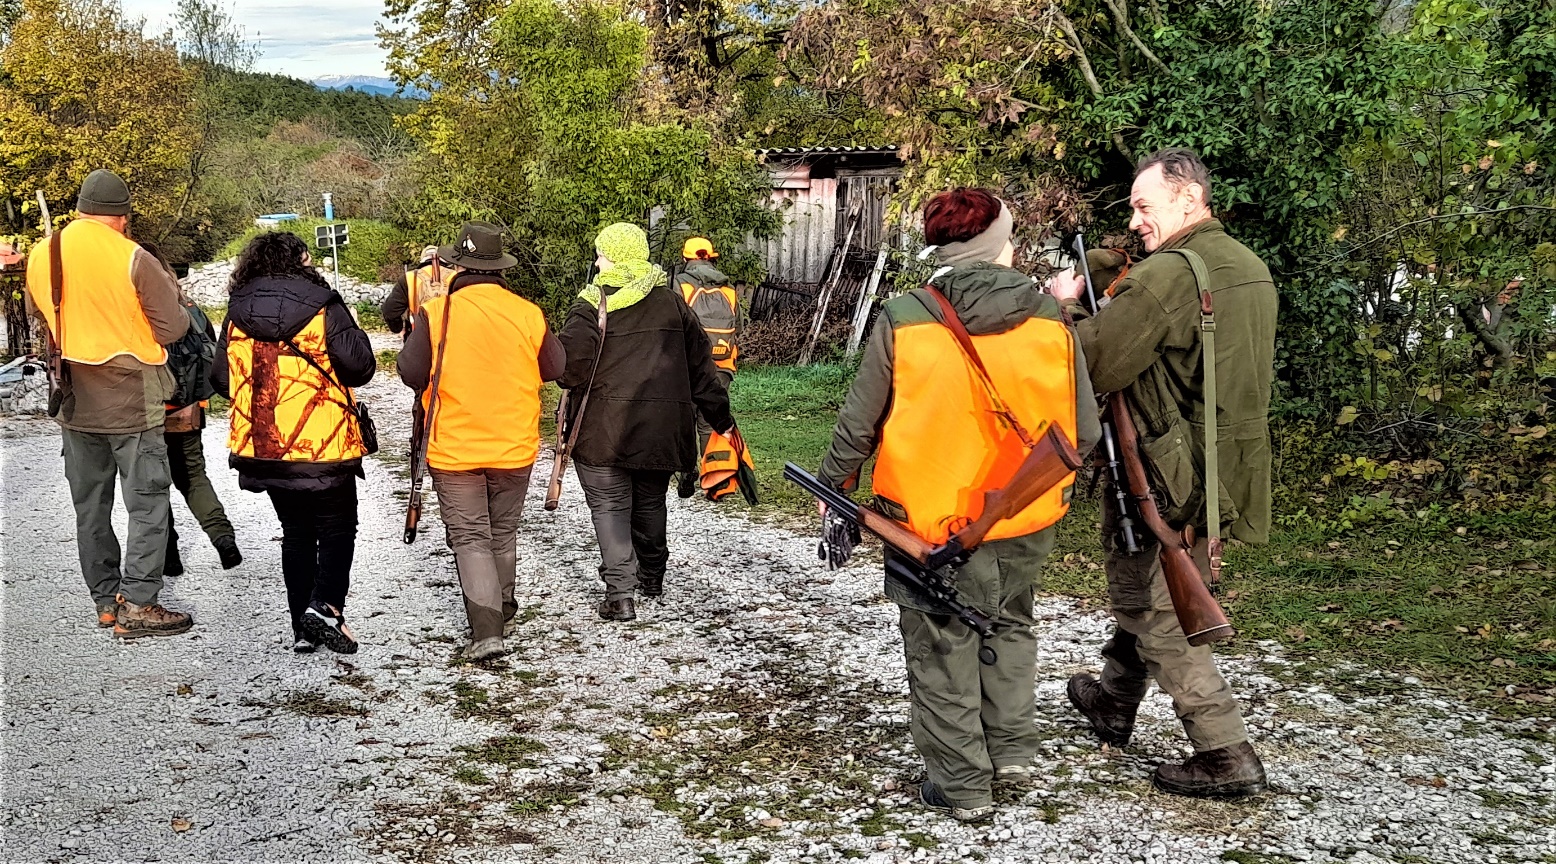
(304,40)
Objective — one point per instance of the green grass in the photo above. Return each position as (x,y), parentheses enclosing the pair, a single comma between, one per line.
(1472,613)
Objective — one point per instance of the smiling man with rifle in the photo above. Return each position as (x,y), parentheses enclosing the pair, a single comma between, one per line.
(975,394)
(1146,346)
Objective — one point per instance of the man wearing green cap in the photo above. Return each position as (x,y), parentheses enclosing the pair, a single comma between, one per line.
(110,307)
(647,383)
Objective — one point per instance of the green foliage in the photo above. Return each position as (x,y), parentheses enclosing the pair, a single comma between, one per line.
(562,149)
(375,247)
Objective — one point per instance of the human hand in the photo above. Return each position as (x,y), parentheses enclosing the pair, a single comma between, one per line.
(1066,285)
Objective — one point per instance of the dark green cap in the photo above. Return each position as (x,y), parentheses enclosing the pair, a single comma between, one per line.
(103,194)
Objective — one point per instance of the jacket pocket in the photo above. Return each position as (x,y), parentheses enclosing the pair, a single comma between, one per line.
(1170,458)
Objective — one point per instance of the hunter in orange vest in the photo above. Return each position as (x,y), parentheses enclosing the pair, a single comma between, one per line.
(421,283)
(477,356)
(110,307)
(921,403)
(707,291)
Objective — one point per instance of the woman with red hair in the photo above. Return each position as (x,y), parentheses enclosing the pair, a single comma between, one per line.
(957,377)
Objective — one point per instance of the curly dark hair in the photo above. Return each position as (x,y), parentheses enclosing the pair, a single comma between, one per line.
(274,254)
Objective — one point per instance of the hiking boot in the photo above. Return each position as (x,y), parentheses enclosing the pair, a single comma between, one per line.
(510,625)
(930,796)
(227,549)
(301,644)
(153,619)
(686,487)
(107,614)
(326,626)
(1112,719)
(618,610)
(484,649)
(173,564)
(651,586)
(1226,773)
(1013,776)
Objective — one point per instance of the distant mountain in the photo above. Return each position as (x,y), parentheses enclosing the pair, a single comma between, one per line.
(375,84)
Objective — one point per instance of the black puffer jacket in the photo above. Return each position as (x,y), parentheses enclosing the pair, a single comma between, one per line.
(655,373)
(277,308)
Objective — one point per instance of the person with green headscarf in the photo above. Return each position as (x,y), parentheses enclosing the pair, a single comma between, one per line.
(655,373)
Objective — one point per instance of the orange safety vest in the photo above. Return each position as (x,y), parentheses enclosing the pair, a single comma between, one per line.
(99,310)
(423,288)
(718,310)
(719,466)
(942,445)
(488,413)
(282,407)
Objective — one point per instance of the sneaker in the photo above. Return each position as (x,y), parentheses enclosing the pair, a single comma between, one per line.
(227,549)
(1014,776)
(618,610)
(326,626)
(107,614)
(687,486)
(301,644)
(485,649)
(930,796)
(153,619)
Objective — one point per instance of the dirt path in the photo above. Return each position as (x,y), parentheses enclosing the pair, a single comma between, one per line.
(757,713)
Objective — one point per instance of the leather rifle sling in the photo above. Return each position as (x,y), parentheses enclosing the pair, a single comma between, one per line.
(583,401)
(959,330)
(1207,331)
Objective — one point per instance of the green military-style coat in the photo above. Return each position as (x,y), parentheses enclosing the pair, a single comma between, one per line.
(1146,343)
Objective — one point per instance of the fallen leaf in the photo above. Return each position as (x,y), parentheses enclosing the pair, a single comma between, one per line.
(1527,564)
(185,689)
(180,824)
(1331,607)
(1348,414)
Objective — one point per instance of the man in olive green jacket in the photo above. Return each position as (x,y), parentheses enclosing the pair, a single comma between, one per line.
(1145,342)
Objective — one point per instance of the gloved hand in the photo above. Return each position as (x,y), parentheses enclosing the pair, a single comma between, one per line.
(839,536)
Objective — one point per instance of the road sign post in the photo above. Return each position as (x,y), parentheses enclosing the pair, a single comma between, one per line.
(332,236)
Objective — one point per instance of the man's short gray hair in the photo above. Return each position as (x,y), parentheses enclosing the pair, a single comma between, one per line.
(1180,166)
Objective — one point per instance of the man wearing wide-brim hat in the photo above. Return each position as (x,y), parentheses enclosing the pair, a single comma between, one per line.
(478,357)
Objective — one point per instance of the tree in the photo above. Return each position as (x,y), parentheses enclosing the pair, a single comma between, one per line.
(86,90)
(535,121)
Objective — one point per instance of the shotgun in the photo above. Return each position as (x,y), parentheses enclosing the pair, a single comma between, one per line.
(568,423)
(421,426)
(1201,617)
(54,345)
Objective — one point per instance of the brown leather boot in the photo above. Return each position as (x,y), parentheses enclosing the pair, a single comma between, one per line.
(618,610)
(1230,772)
(1113,720)
(153,619)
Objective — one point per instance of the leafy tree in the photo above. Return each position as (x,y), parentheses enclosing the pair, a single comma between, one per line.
(534,121)
(85,90)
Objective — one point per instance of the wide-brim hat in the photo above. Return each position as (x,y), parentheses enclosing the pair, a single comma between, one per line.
(479,247)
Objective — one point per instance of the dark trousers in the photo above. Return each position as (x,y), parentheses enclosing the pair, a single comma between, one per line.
(481,510)
(628,509)
(318,540)
(186,458)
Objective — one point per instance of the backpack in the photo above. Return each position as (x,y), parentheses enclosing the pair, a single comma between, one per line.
(190,360)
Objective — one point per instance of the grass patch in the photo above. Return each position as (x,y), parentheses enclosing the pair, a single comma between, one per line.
(314,705)
(787,414)
(512,751)
(541,797)
(471,775)
(386,359)
(370,316)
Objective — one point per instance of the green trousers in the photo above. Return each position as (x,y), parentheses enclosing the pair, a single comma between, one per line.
(138,464)
(1148,643)
(186,459)
(967,718)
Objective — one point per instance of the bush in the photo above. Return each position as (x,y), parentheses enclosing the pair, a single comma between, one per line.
(374,248)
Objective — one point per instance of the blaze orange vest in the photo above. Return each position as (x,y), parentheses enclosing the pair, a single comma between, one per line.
(488,412)
(717,309)
(942,445)
(424,288)
(99,309)
(282,407)
(719,466)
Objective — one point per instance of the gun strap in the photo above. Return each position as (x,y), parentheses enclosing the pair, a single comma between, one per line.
(583,401)
(959,330)
(57,288)
(1207,332)
(436,378)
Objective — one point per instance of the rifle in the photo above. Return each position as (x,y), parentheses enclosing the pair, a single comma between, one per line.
(568,423)
(421,428)
(905,557)
(1201,617)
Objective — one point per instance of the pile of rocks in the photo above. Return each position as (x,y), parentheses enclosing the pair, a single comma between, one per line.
(207,285)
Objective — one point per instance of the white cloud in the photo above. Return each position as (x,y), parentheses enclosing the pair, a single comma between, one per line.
(305,40)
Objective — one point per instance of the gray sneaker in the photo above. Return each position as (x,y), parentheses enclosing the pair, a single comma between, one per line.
(930,796)
(485,649)
(1015,776)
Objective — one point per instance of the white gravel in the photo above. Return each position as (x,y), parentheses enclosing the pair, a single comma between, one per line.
(758,710)
(207,285)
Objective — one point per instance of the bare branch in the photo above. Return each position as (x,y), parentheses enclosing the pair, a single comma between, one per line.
(1068,27)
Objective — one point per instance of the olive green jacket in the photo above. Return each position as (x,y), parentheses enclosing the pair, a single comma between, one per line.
(1146,343)
(988,299)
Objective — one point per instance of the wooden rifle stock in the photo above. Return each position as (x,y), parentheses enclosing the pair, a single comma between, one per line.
(1048,464)
(559,458)
(1199,614)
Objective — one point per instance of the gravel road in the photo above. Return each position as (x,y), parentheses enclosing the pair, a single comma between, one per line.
(757,713)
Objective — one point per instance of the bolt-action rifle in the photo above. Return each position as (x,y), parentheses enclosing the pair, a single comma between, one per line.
(1201,617)
(923,567)
(569,419)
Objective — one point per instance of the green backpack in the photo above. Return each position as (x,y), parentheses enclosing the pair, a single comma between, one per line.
(190,359)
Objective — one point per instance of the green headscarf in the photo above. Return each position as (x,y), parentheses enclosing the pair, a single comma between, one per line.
(630,273)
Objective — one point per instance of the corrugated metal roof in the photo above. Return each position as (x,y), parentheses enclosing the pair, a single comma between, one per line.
(888,150)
